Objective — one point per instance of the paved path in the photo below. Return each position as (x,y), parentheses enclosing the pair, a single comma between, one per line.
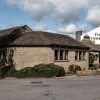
(70,88)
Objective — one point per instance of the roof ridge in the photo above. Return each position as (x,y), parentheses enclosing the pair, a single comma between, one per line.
(12,28)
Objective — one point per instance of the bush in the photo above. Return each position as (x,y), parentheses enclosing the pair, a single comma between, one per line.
(3,71)
(26,72)
(74,68)
(41,70)
(94,66)
(11,72)
(91,59)
(7,71)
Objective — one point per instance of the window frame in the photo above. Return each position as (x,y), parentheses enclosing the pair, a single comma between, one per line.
(80,55)
(62,55)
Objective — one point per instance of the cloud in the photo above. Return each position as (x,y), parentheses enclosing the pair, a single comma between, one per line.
(51,31)
(68,29)
(38,9)
(63,11)
(83,27)
(1,2)
(40,27)
(67,11)
(71,29)
(93,15)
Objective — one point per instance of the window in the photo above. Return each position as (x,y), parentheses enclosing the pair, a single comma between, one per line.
(84,53)
(76,55)
(79,55)
(96,38)
(61,55)
(56,54)
(66,55)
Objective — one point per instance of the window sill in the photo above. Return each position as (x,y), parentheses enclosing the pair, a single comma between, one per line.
(61,60)
(79,60)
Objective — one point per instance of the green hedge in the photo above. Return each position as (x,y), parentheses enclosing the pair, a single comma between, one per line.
(74,68)
(7,71)
(41,70)
(11,72)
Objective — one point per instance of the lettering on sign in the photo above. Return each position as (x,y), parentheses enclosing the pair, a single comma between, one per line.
(96,34)
(96,37)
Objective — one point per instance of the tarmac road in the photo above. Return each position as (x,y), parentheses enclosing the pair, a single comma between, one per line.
(66,88)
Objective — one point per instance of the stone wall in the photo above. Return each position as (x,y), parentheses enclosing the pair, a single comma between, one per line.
(28,57)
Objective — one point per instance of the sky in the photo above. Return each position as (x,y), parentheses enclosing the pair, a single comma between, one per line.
(60,16)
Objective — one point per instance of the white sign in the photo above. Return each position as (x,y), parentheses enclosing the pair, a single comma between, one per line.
(94,35)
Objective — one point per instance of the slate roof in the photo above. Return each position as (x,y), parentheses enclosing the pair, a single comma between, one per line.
(12,30)
(13,37)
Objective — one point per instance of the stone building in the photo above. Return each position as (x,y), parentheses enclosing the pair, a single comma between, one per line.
(94,48)
(26,48)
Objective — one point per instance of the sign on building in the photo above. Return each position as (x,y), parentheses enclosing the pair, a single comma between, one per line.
(94,35)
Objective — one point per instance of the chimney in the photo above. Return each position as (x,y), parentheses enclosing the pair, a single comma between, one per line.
(78,35)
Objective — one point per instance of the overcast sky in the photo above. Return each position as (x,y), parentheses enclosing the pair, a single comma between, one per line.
(63,16)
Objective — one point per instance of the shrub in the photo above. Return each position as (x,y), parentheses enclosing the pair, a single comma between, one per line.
(26,72)
(77,68)
(74,68)
(7,71)
(91,59)
(11,72)
(41,70)
(71,68)
(3,71)
(94,66)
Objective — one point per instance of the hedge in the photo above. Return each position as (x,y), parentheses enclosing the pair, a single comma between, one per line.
(7,71)
(41,70)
